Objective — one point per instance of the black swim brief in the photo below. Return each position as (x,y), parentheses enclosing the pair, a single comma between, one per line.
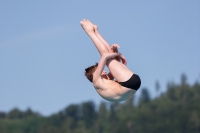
(133,83)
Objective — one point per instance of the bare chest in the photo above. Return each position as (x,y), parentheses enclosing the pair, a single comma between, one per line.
(112,91)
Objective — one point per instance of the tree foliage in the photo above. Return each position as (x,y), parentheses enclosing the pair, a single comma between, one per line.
(177,110)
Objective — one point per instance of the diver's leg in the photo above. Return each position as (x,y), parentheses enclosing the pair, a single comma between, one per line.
(89,29)
(95,27)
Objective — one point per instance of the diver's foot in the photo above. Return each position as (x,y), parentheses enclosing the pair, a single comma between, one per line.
(87,26)
(95,27)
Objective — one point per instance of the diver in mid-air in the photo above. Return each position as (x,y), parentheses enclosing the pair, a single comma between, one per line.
(120,83)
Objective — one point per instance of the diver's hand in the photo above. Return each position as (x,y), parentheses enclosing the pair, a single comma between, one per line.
(115,47)
(123,59)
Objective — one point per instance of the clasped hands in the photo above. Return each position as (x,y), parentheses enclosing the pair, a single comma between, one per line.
(116,54)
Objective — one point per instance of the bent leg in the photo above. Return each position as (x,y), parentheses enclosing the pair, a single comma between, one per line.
(119,71)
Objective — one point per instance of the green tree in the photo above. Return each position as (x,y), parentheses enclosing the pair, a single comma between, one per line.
(176,111)
(144,97)
(88,113)
(73,111)
(183,80)
(171,91)
(15,113)
(113,115)
(128,105)
(102,110)
(2,115)
(157,87)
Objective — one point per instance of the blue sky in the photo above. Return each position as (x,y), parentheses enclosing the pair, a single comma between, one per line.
(44,51)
